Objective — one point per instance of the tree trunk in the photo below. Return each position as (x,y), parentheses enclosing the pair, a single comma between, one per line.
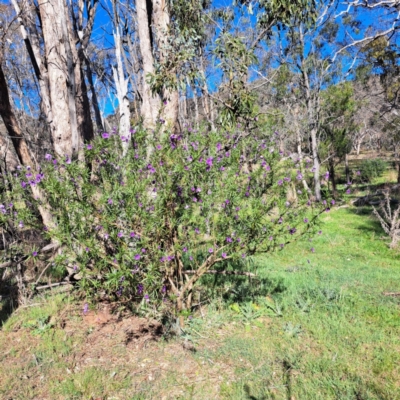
(8,157)
(313,114)
(73,82)
(20,144)
(332,177)
(61,78)
(95,102)
(301,165)
(32,42)
(121,84)
(161,22)
(346,167)
(316,165)
(150,104)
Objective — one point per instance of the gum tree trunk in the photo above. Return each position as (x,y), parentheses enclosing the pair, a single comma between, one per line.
(150,104)
(161,21)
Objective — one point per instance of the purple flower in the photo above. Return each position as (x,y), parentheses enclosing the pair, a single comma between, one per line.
(89,147)
(223,255)
(48,157)
(120,234)
(106,236)
(55,162)
(312,250)
(34,254)
(333,202)
(140,288)
(292,231)
(21,224)
(147,298)
(358,173)
(244,255)
(105,135)
(280,182)
(306,220)
(211,250)
(209,163)
(23,184)
(87,249)
(85,308)
(109,201)
(348,191)
(185,249)
(229,239)
(132,234)
(137,257)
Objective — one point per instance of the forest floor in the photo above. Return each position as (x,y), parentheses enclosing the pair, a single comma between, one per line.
(315,325)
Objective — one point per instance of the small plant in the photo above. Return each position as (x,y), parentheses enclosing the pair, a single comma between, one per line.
(371,169)
(249,312)
(292,330)
(389,219)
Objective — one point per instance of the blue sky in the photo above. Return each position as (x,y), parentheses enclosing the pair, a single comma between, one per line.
(103,32)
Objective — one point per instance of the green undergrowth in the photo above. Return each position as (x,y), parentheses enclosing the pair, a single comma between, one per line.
(314,324)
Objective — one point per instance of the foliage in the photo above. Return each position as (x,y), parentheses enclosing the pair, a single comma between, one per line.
(371,169)
(132,226)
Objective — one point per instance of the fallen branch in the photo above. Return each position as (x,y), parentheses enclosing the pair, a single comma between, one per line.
(51,285)
(391,294)
(214,272)
(13,263)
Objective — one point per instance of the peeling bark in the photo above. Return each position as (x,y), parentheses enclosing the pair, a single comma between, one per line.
(150,104)
(161,24)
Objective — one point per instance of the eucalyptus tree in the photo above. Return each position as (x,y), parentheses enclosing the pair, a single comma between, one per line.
(307,51)
(52,46)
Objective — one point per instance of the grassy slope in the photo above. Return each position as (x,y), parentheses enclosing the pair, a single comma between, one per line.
(332,335)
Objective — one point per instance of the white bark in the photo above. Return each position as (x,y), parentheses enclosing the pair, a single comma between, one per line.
(121,84)
(51,12)
(150,104)
(25,18)
(71,84)
(161,24)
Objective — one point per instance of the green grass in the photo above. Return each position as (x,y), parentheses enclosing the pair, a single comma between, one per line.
(318,327)
(337,337)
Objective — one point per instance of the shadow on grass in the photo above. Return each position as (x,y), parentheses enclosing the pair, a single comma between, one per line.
(370,223)
(6,310)
(237,288)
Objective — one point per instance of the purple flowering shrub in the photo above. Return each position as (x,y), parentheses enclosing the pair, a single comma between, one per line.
(145,227)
